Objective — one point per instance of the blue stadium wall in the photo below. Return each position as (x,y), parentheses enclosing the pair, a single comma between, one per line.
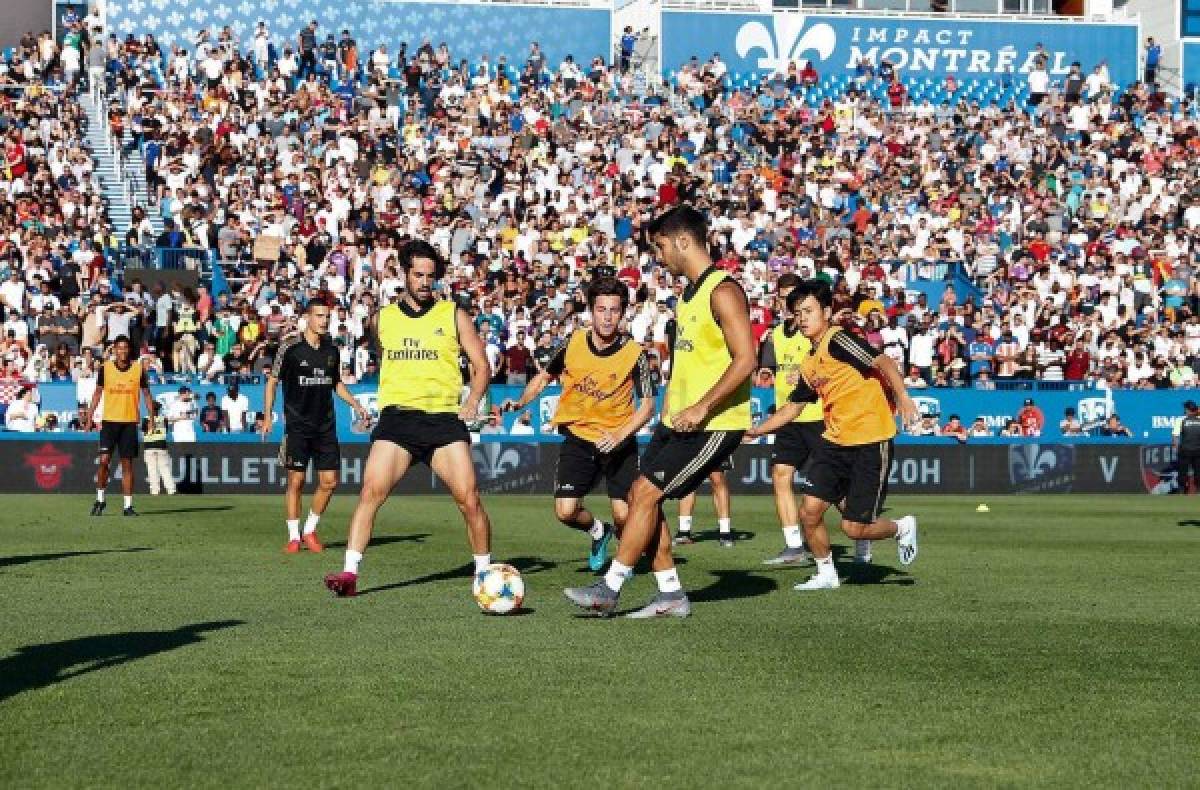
(1191,65)
(469,30)
(923,47)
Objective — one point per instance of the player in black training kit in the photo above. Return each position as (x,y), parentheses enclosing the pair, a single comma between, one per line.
(308,364)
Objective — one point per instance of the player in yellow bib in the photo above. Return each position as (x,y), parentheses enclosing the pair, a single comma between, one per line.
(785,349)
(707,411)
(121,382)
(420,339)
(602,372)
(855,383)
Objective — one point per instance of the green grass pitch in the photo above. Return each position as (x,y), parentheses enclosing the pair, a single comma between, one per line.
(1054,641)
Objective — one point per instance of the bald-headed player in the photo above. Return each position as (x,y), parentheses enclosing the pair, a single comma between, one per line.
(706,413)
(420,339)
(308,364)
(602,373)
(121,382)
(852,462)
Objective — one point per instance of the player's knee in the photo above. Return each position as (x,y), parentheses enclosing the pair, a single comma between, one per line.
(471,505)
(565,510)
(326,483)
(782,475)
(643,493)
(374,492)
(853,529)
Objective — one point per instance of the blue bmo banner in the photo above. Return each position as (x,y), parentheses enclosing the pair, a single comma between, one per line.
(929,47)
(1149,414)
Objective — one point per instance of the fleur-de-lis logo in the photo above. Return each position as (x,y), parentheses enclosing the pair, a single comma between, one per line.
(494,460)
(787,45)
(1029,466)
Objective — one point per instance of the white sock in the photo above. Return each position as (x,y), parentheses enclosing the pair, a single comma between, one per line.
(99,494)
(903,526)
(352,560)
(725,525)
(128,501)
(293,525)
(482,561)
(825,566)
(685,523)
(310,524)
(668,581)
(597,529)
(616,576)
(793,537)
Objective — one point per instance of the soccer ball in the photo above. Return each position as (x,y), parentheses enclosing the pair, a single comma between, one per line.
(498,589)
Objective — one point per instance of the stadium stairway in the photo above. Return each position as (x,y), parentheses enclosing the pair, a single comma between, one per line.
(120,201)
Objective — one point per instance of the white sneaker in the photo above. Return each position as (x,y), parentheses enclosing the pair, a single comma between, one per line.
(906,539)
(862,552)
(820,581)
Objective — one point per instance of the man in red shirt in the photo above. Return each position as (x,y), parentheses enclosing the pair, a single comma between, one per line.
(1031,419)
(1079,363)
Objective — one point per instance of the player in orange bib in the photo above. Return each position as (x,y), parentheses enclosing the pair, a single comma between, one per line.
(853,381)
(120,383)
(602,372)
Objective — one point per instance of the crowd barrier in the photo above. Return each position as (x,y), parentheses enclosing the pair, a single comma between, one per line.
(53,465)
(1149,414)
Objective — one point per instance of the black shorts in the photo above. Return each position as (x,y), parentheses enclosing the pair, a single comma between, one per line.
(580,466)
(795,443)
(419,432)
(119,438)
(679,462)
(298,448)
(858,474)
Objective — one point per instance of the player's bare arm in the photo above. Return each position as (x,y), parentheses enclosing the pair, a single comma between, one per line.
(269,405)
(891,376)
(472,346)
(535,387)
(343,392)
(732,313)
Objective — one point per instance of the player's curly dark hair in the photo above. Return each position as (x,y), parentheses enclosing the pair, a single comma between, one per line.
(818,289)
(421,249)
(607,286)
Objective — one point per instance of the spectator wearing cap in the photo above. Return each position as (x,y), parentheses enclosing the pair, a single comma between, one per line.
(1031,419)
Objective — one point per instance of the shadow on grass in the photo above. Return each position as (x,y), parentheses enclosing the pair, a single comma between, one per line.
(196,509)
(733,584)
(37,666)
(875,574)
(384,540)
(25,559)
(1190,522)
(526,565)
(713,535)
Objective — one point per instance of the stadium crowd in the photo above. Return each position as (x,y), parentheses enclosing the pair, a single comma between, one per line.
(1067,222)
